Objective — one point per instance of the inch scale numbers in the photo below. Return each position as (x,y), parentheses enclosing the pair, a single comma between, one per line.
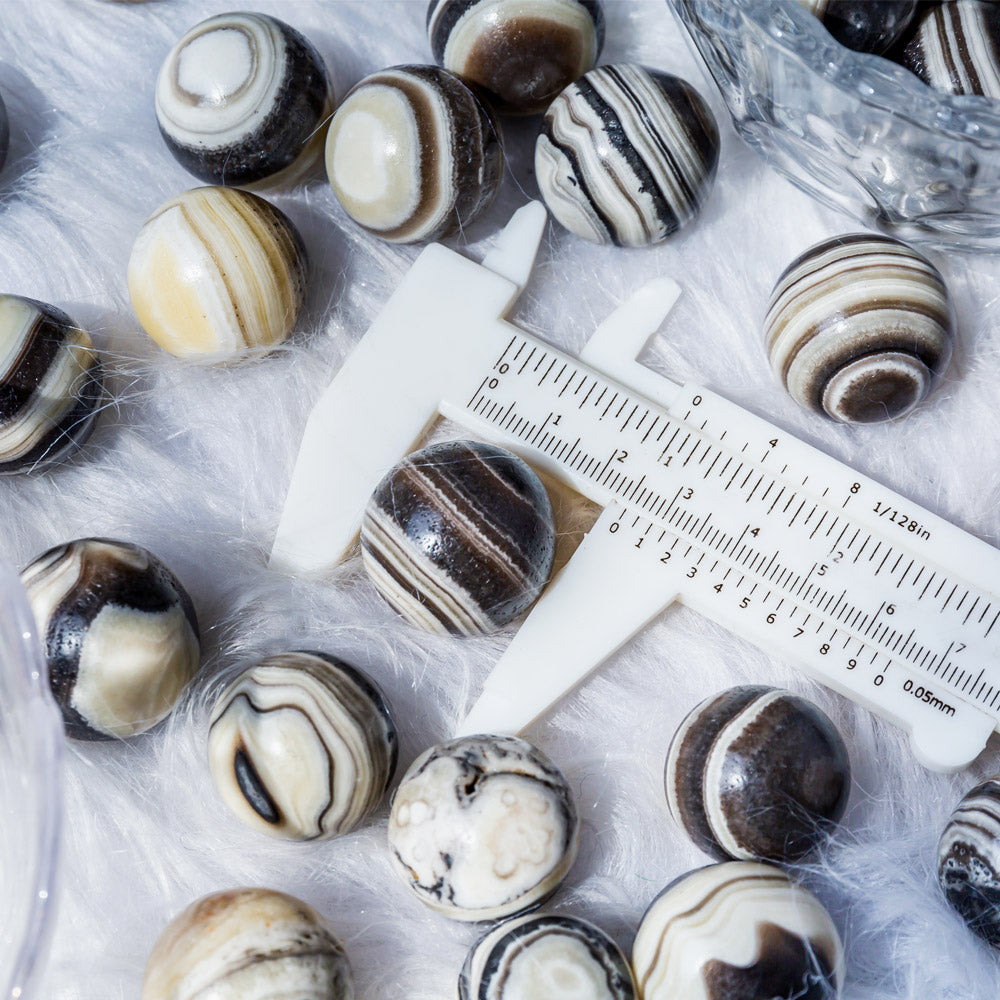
(703,503)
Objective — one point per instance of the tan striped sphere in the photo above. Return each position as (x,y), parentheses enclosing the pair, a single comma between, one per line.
(215,272)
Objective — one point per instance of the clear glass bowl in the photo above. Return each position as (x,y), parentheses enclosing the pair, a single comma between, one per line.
(856,131)
(31,743)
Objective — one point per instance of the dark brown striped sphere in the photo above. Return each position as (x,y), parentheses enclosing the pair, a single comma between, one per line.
(859,328)
(459,538)
(864,25)
(757,773)
(413,154)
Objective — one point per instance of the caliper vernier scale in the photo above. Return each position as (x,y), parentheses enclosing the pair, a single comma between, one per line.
(703,503)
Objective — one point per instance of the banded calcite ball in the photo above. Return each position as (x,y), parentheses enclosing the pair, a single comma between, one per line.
(242,99)
(956,48)
(413,154)
(737,931)
(522,54)
(119,633)
(757,773)
(255,944)
(864,25)
(859,327)
(50,385)
(302,746)
(969,860)
(626,155)
(546,957)
(459,538)
(483,827)
(216,271)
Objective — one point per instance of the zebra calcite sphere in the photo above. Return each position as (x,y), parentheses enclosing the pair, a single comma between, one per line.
(859,328)
(302,746)
(757,773)
(626,155)
(546,957)
(956,48)
(737,931)
(864,25)
(242,99)
(413,154)
(969,860)
(521,54)
(119,634)
(483,827)
(50,385)
(254,944)
(459,538)
(217,271)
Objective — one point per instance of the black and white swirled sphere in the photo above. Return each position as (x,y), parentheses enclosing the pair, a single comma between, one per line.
(859,328)
(50,385)
(737,931)
(483,827)
(956,48)
(969,860)
(546,957)
(864,25)
(242,99)
(626,155)
(459,538)
(413,154)
(757,773)
(119,634)
(254,944)
(302,746)
(521,54)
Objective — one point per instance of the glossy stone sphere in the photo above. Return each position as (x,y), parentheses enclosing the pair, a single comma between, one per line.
(459,538)
(483,827)
(626,155)
(119,634)
(413,154)
(546,957)
(216,271)
(956,48)
(969,860)
(521,54)
(302,746)
(242,99)
(757,773)
(864,25)
(737,931)
(4,133)
(255,944)
(50,385)
(859,328)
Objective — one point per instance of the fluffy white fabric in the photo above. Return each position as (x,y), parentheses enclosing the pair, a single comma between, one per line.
(193,462)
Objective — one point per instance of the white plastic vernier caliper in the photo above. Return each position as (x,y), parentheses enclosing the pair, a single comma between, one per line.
(703,502)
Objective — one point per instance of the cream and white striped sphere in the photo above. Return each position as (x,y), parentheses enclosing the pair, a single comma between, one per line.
(216,272)
(859,328)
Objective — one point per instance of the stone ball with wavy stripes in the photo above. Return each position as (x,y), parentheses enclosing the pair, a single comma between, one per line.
(626,155)
(459,538)
(243,99)
(737,931)
(521,54)
(864,25)
(302,746)
(255,944)
(859,328)
(216,273)
(50,385)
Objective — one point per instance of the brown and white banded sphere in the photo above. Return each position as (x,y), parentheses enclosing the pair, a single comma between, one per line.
(521,52)
(216,272)
(255,944)
(859,328)
(413,154)
(737,931)
(757,773)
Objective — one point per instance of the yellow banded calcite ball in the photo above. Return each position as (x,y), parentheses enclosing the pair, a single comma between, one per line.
(215,272)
